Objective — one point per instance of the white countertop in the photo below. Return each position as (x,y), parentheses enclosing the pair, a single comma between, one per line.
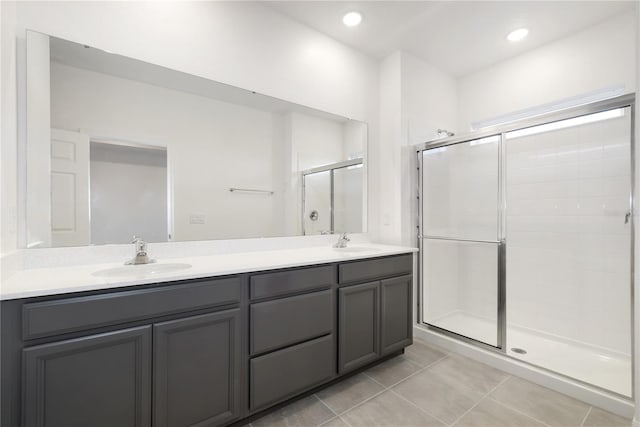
(60,280)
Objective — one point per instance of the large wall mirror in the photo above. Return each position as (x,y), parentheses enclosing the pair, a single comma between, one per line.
(117,147)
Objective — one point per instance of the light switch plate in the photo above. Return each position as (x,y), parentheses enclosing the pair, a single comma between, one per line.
(197,218)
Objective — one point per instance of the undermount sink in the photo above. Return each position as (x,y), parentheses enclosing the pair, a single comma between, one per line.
(357,249)
(141,270)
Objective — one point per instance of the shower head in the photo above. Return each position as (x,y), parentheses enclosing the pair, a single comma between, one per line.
(443,133)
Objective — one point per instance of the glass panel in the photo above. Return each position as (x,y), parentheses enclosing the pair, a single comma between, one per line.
(460,190)
(461,228)
(317,203)
(460,288)
(347,199)
(568,253)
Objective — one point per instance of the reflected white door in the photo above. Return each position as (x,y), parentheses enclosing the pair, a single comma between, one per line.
(69,188)
(461,239)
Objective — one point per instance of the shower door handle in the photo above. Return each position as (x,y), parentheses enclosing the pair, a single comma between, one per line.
(627,216)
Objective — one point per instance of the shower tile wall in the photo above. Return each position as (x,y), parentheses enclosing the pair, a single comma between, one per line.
(568,246)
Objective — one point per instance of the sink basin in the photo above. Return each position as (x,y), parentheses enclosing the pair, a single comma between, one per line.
(356,249)
(141,270)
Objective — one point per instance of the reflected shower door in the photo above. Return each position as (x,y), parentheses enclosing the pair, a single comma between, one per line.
(347,199)
(461,239)
(317,215)
(568,226)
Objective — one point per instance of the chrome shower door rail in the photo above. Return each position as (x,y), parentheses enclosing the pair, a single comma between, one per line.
(449,225)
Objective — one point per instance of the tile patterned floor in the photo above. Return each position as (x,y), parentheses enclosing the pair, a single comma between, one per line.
(429,387)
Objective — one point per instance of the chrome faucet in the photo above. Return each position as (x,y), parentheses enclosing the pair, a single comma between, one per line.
(342,241)
(141,256)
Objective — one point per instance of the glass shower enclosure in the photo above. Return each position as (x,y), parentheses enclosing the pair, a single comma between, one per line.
(526,238)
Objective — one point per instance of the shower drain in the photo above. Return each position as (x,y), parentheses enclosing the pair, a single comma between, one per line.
(519,350)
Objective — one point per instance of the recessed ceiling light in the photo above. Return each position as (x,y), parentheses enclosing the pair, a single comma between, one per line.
(352,19)
(517,35)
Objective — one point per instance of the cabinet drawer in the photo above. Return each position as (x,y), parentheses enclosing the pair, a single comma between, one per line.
(47,318)
(282,374)
(377,268)
(291,281)
(286,321)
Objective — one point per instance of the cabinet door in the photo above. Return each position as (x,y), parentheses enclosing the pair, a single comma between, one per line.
(359,319)
(197,370)
(396,329)
(99,380)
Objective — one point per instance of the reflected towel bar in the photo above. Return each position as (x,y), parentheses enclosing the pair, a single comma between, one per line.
(250,190)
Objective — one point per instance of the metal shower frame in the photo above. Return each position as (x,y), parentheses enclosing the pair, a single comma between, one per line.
(622,101)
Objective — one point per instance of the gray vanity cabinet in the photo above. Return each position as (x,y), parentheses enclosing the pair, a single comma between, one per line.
(203,352)
(292,340)
(196,370)
(359,325)
(396,328)
(99,380)
(374,317)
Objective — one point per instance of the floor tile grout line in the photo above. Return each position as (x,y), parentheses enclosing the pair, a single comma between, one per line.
(362,403)
(389,388)
(337,417)
(327,421)
(421,369)
(385,388)
(467,411)
(518,411)
(481,399)
(419,408)
(586,416)
(325,405)
(345,420)
(374,380)
(381,391)
(446,356)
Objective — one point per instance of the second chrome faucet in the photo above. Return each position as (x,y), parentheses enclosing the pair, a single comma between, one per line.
(342,241)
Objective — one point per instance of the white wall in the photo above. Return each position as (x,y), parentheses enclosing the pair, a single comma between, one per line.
(429,100)
(416,98)
(386,175)
(8,126)
(316,141)
(599,57)
(239,43)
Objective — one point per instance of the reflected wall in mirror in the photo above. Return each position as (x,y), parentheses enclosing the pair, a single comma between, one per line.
(128,148)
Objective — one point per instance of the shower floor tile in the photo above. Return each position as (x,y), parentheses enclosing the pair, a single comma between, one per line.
(446,390)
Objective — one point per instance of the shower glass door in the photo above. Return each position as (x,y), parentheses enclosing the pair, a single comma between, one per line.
(569,225)
(461,239)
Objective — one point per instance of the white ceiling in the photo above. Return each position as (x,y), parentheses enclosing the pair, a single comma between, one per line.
(459,37)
